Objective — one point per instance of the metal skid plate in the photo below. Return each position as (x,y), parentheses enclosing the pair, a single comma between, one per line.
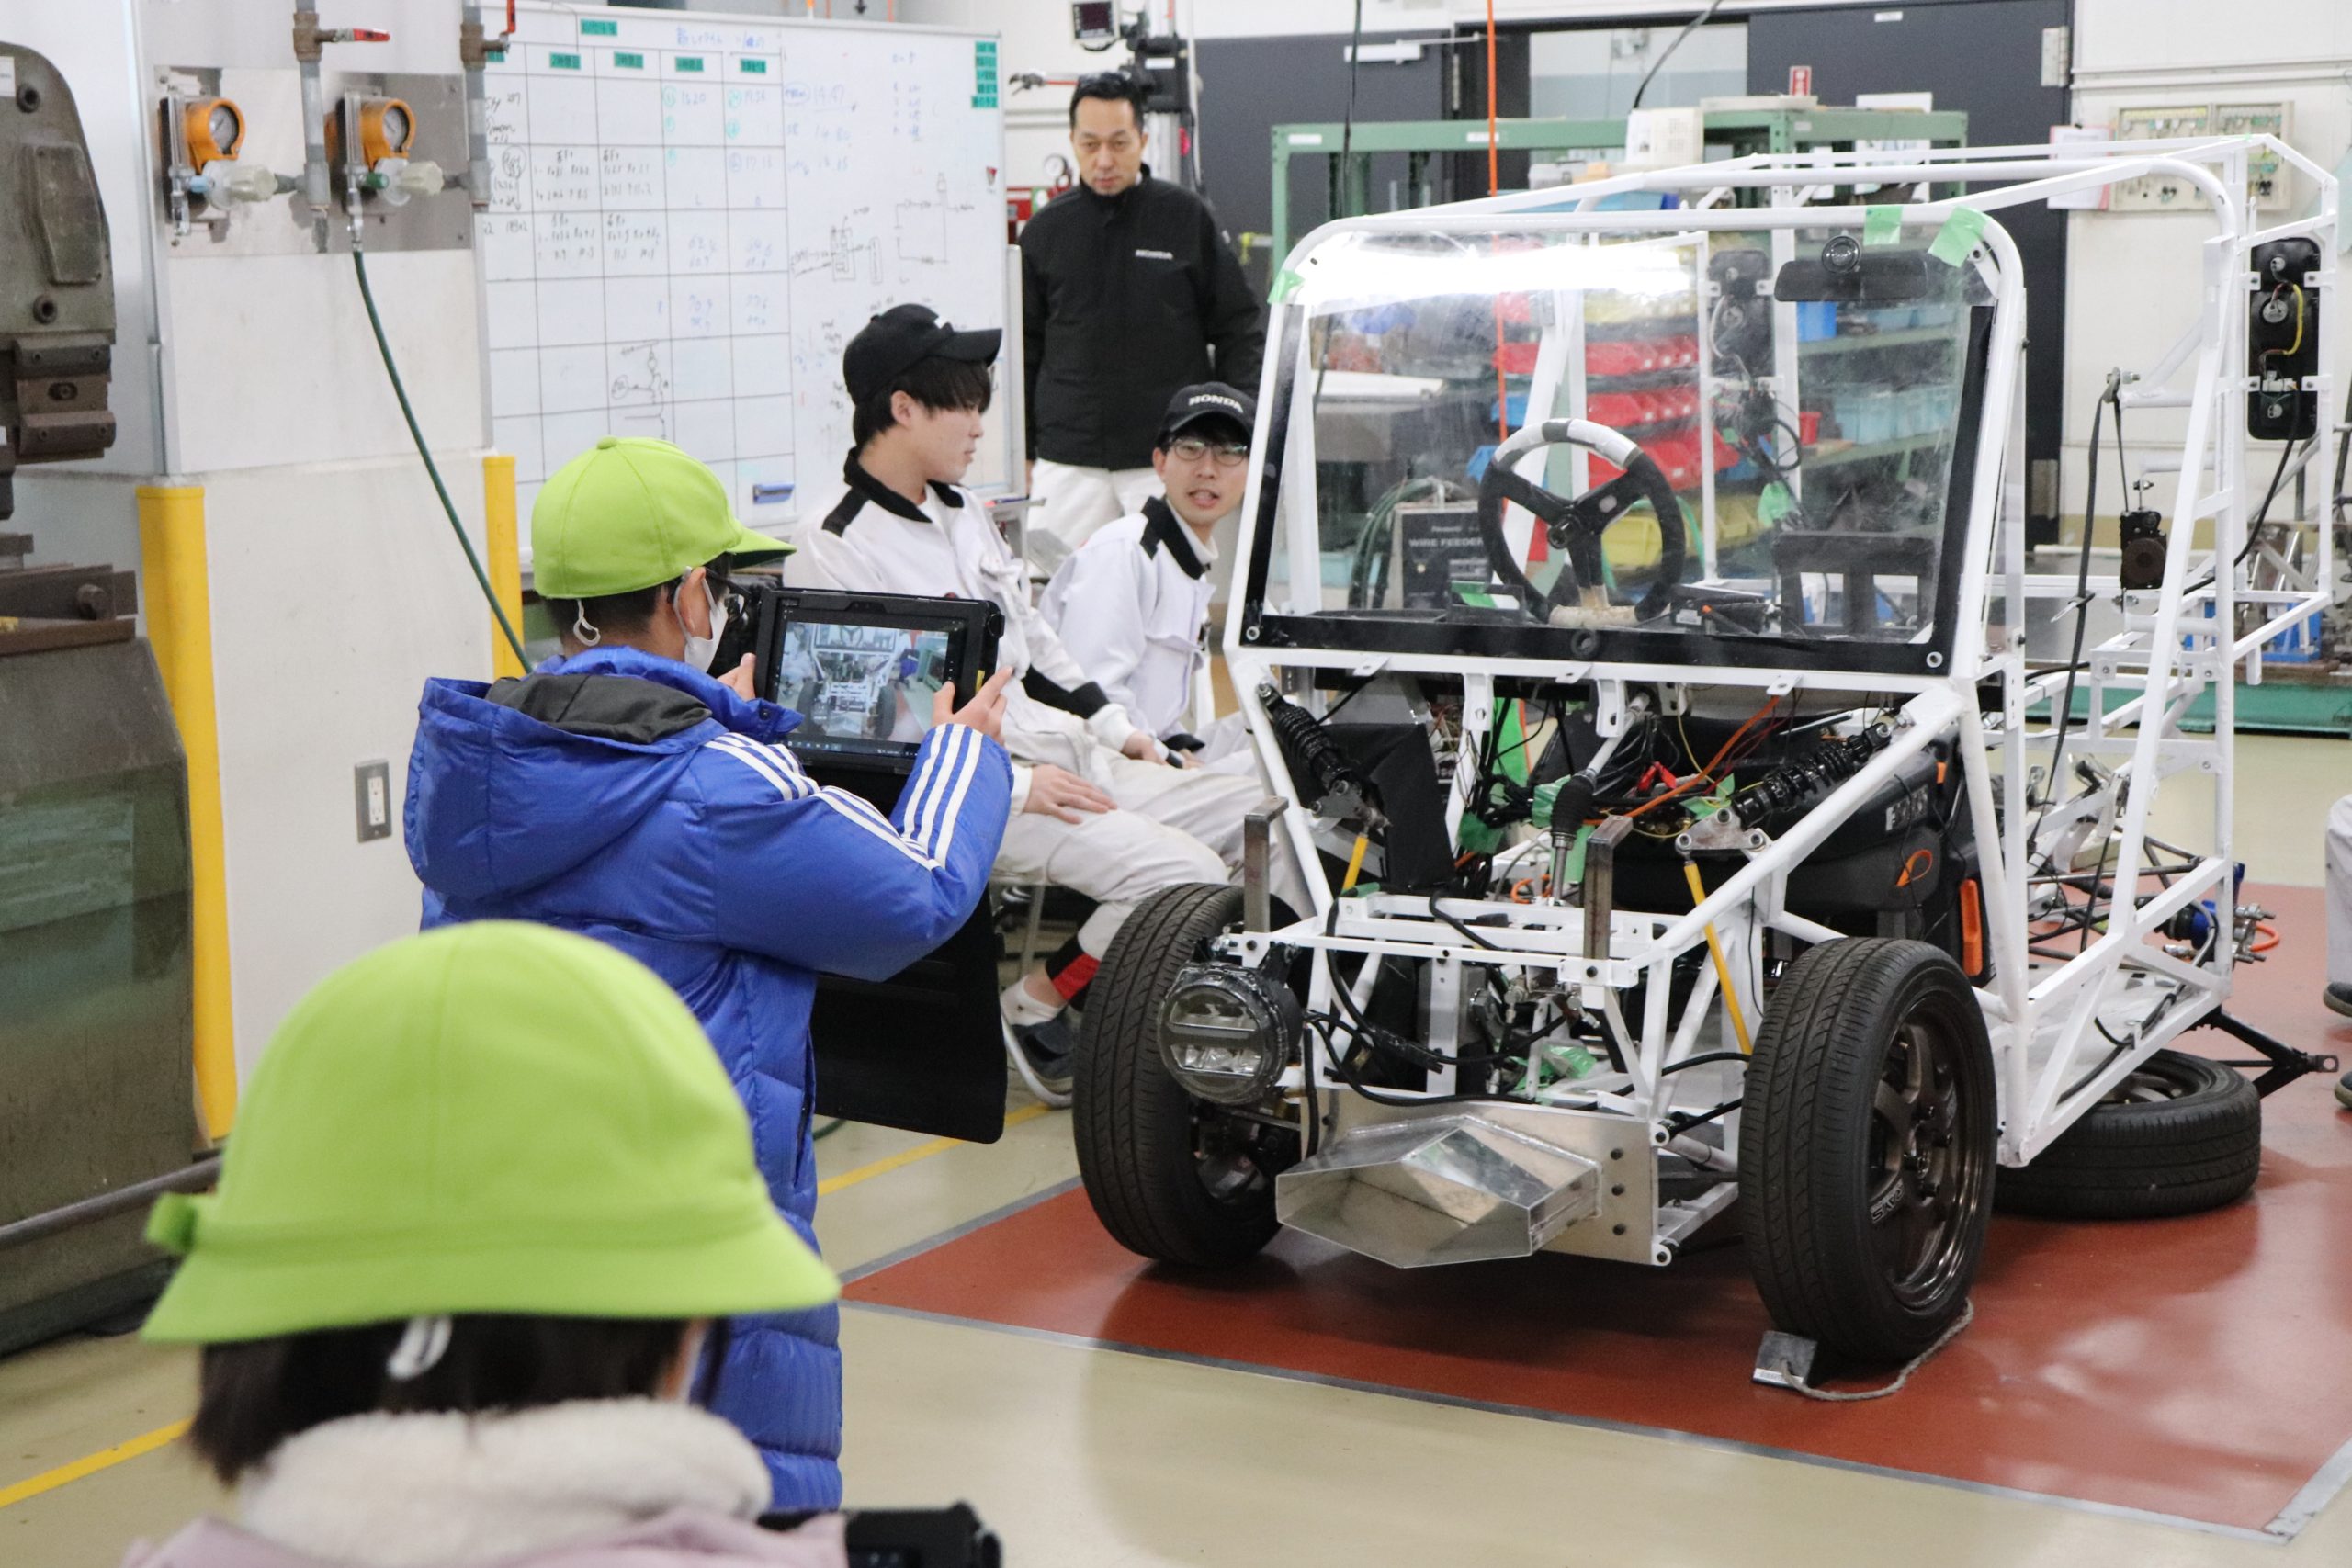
(1450,1190)
(1622,1225)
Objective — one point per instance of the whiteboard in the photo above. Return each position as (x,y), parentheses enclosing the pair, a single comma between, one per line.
(690,214)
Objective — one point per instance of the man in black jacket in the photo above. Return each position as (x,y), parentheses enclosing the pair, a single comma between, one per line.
(1127,290)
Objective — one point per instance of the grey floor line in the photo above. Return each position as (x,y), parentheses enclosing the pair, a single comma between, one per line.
(955,1233)
(2315,1494)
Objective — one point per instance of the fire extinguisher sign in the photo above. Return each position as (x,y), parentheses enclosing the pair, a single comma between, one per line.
(1800,81)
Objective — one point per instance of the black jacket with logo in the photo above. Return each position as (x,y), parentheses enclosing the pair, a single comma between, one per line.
(1123,299)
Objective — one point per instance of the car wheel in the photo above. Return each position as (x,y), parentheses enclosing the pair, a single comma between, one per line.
(2178,1136)
(1171,1177)
(1867,1147)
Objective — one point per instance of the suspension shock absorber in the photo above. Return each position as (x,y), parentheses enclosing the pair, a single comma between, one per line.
(1809,777)
(1339,786)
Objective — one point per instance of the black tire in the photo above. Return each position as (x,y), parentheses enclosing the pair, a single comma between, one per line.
(1867,1147)
(2179,1136)
(1170,1178)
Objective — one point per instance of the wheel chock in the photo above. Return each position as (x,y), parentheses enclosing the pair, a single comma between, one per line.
(1785,1361)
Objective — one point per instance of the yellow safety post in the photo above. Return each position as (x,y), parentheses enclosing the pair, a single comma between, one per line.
(505,563)
(176,593)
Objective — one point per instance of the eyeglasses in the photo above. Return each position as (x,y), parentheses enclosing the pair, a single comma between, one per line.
(1192,449)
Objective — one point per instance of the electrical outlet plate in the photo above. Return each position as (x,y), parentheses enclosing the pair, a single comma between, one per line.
(372,800)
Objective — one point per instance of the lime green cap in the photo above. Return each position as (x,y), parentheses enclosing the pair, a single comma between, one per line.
(630,513)
(489,1117)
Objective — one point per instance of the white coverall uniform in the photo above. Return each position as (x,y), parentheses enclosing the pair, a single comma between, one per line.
(1174,826)
(1132,606)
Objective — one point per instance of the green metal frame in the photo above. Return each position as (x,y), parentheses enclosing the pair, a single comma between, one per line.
(1741,131)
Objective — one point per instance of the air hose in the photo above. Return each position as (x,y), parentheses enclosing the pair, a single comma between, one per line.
(449,510)
(1723,967)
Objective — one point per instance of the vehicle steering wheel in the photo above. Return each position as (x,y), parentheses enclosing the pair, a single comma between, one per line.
(1575,526)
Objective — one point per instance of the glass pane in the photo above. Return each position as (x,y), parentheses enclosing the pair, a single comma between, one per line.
(1799,423)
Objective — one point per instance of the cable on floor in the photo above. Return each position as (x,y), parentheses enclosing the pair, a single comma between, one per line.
(1835,1396)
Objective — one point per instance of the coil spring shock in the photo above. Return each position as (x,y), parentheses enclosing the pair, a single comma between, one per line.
(1807,778)
(1339,786)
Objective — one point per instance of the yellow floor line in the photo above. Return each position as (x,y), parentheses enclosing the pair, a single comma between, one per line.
(905,1158)
(90,1464)
(107,1459)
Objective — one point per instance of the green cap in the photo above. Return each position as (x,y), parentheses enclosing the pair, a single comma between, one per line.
(489,1118)
(630,513)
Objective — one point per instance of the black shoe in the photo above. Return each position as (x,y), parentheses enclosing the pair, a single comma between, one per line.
(1048,1049)
(2338,999)
(2343,1092)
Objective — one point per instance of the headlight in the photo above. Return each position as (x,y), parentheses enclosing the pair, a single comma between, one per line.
(1226,1033)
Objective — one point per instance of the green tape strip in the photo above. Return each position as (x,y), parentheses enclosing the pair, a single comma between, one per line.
(1958,236)
(1881,225)
(1287,283)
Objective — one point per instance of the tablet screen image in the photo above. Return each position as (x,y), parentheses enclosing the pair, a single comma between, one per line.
(859,687)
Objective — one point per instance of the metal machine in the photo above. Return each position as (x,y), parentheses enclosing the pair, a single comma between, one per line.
(1697,855)
(96,1110)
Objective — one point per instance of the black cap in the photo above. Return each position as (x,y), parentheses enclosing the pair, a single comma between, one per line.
(1210,399)
(902,336)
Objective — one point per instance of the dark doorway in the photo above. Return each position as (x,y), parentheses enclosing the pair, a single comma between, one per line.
(1984,57)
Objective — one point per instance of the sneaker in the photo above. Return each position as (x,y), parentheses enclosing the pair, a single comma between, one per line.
(2343,1092)
(1049,1049)
(2338,998)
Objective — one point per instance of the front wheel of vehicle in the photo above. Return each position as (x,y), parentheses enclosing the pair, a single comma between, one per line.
(1171,1177)
(1867,1147)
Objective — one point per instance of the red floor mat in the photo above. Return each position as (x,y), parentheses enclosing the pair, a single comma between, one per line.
(2195,1368)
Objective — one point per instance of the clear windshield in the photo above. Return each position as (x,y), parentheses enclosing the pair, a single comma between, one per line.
(1800,412)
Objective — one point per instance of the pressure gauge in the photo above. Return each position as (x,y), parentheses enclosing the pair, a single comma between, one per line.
(386,128)
(214,129)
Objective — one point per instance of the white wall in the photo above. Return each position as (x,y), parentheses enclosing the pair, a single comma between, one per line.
(337,587)
(1034,38)
(2133,278)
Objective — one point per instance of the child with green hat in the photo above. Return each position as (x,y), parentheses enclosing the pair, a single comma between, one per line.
(490,1192)
(621,792)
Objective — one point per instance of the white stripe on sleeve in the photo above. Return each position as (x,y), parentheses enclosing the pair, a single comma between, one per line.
(762,761)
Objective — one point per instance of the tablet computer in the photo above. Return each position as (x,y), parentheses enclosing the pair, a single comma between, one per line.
(861,669)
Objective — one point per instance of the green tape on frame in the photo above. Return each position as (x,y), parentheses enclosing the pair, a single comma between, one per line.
(1959,236)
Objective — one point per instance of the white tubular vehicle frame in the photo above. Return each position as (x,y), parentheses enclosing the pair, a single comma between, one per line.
(2053,1022)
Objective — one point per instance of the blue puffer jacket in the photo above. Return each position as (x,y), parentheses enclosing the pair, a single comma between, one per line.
(628,797)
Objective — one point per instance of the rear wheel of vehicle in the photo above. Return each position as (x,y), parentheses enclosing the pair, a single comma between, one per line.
(2178,1136)
(1171,1177)
(1867,1146)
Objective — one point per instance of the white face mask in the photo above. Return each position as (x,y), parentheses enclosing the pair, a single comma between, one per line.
(701,650)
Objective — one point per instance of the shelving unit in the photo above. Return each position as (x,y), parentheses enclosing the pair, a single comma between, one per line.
(1877,340)
(1900,446)
(1739,132)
